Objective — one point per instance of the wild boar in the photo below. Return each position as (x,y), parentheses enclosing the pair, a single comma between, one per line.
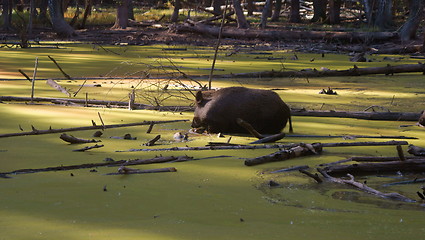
(217,111)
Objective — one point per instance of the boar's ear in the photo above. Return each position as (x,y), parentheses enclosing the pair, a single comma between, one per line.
(199,97)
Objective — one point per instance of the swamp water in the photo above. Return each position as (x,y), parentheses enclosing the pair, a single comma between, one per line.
(214,198)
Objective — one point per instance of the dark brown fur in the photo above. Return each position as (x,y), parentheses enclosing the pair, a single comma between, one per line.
(217,111)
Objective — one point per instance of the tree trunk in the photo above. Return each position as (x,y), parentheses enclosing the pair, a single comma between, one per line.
(217,7)
(265,14)
(87,12)
(42,16)
(334,11)
(121,20)
(367,6)
(240,17)
(295,12)
(276,12)
(410,27)
(175,15)
(250,7)
(319,7)
(383,19)
(130,10)
(60,26)
(7,15)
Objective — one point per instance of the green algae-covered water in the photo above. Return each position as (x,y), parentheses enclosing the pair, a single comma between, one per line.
(207,198)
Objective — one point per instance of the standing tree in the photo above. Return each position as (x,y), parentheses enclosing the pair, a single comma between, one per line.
(240,17)
(277,9)
(7,15)
(60,26)
(217,6)
(265,13)
(121,19)
(175,15)
(319,7)
(334,11)
(295,12)
(384,14)
(410,27)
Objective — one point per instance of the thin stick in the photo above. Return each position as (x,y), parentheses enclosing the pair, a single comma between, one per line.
(33,79)
(61,130)
(25,75)
(101,120)
(60,69)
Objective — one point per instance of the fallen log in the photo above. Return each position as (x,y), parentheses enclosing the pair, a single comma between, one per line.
(126,171)
(409,165)
(197,27)
(73,140)
(349,136)
(295,168)
(97,102)
(104,164)
(416,180)
(310,73)
(365,188)
(298,151)
(60,130)
(271,146)
(389,116)
(152,141)
(269,139)
(415,150)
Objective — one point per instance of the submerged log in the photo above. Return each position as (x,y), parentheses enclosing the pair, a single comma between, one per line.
(73,140)
(88,148)
(58,87)
(365,188)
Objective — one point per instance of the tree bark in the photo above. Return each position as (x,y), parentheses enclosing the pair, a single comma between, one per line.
(121,19)
(175,15)
(60,26)
(276,12)
(294,16)
(384,19)
(240,17)
(410,27)
(265,13)
(319,7)
(334,11)
(7,15)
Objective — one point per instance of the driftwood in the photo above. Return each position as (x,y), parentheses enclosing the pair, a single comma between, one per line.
(389,116)
(271,146)
(365,188)
(191,26)
(127,171)
(409,165)
(104,164)
(152,141)
(73,140)
(309,73)
(88,148)
(298,151)
(58,87)
(60,130)
(314,176)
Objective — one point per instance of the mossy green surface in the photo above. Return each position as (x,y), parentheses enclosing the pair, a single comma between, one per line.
(215,198)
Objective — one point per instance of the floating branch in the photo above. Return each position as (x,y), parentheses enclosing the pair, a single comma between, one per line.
(126,171)
(73,140)
(104,164)
(298,151)
(365,188)
(60,130)
(339,144)
(88,148)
